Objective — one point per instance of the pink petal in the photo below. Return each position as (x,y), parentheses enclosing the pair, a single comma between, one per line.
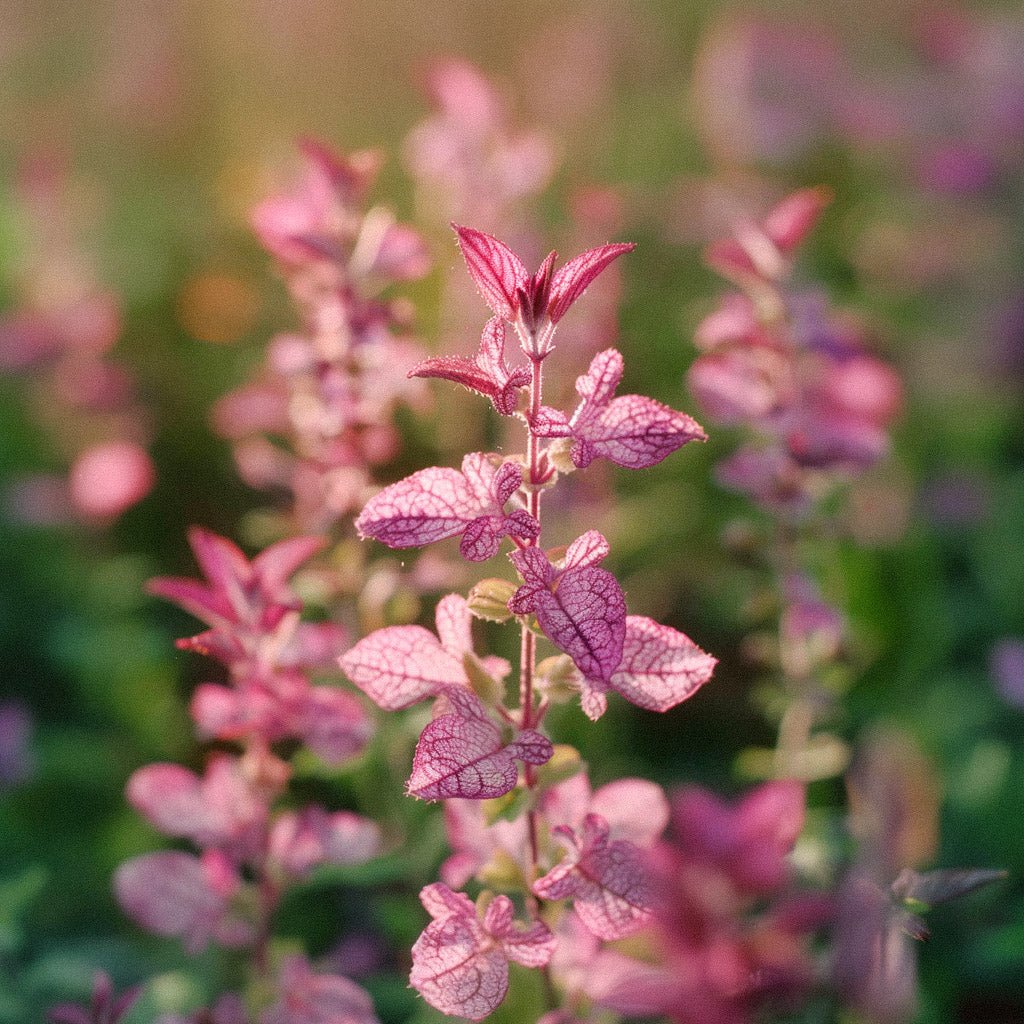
(351,838)
(660,667)
(789,223)
(196,598)
(495,268)
(400,665)
(454,974)
(572,280)
(428,506)
(530,945)
(635,809)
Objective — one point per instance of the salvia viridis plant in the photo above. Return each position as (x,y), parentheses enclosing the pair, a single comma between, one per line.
(522,820)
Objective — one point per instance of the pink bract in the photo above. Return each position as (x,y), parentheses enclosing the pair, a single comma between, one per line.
(436,503)
(605,879)
(580,608)
(632,430)
(460,754)
(460,963)
(401,665)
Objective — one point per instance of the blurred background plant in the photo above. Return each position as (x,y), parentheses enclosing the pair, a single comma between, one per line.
(138,137)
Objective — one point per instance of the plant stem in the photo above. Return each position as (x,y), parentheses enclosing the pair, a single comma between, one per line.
(528,641)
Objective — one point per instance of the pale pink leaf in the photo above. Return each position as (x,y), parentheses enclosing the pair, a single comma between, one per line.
(428,506)
(571,281)
(460,754)
(606,881)
(635,809)
(495,268)
(454,624)
(790,221)
(660,667)
(309,998)
(400,665)
(589,548)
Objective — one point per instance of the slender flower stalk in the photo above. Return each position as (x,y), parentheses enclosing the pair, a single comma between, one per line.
(536,831)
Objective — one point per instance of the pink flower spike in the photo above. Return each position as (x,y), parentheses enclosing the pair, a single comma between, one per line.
(459,964)
(398,666)
(178,894)
(221,809)
(581,609)
(460,754)
(436,503)
(487,374)
(660,668)
(572,280)
(495,268)
(605,880)
(632,430)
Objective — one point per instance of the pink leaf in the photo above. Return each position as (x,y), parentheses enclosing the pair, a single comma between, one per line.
(428,506)
(605,879)
(632,431)
(437,503)
(401,665)
(220,809)
(333,724)
(571,281)
(636,810)
(581,610)
(660,667)
(460,965)
(495,268)
(589,548)
(486,374)
(461,754)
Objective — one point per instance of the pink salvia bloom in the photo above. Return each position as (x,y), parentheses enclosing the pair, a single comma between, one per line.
(460,963)
(220,809)
(461,754)
(750,840)
(436,503)
(634,809)
(660,668)
(632,430)
(487,373)
(110,478)
(181,895)
(398,666)
(580,608)
(605,879)
(252,595)
(301,840)
(306,997)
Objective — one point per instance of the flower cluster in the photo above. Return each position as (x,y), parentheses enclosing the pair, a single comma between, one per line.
(727,933)
(250,847)
(60,337)
(777,362)
(556,843)
(329,390)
